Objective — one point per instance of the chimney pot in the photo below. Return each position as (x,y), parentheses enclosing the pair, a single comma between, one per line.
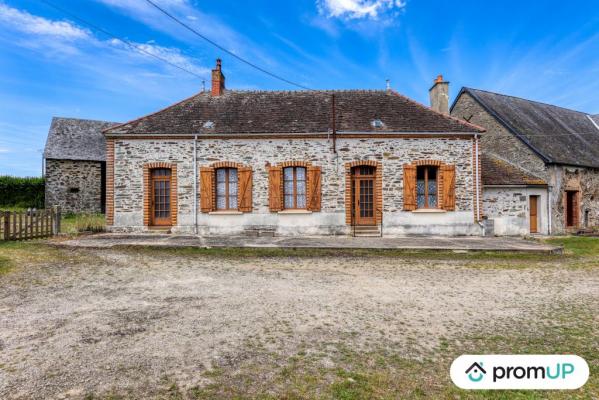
(439,95)
(218,79)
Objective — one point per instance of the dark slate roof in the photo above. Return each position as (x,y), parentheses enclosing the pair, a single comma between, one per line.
(595,118)
(559,135)
(238,112)
(76,139)
(496,171)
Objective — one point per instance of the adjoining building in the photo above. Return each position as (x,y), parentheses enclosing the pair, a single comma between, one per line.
(75,165)
(296,163)
(554,145)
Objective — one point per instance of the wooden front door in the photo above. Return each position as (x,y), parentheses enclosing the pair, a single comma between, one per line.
(160,212)
(363,195)
(534,215)
(571,209)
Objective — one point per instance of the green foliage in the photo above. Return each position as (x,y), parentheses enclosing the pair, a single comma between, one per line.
(16,192)
(578,245)
(76,223)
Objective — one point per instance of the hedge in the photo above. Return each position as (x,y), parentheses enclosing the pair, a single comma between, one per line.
(21,192)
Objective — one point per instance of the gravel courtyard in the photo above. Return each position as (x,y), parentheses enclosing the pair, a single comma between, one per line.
(168,324)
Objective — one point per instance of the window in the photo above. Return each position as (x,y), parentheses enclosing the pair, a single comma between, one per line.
(226,189)
(426,187)
(294,187)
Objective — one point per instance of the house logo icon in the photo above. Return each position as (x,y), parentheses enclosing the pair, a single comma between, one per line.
(476,372)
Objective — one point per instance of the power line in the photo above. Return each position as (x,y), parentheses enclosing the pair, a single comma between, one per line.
(125,41)
(212,42)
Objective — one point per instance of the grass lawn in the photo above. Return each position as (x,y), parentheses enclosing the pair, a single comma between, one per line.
(324,369)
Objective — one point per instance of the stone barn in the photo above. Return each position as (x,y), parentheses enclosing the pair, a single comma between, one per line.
(555,145)
(75,165)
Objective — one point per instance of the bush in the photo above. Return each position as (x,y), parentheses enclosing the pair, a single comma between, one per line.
(21,192)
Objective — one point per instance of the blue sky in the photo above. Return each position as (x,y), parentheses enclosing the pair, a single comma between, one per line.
(52,65)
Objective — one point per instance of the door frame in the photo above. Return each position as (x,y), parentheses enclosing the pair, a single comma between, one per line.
(378,191)
(148,192)
(158,221)
(356,195)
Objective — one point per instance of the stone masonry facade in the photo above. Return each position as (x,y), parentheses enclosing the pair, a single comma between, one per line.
(498,140)
(75,186)
(131,155)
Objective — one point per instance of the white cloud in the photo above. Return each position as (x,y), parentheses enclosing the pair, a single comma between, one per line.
(358,9)
(4,150)
(25,22)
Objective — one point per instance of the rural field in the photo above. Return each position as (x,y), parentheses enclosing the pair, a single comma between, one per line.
(284,324)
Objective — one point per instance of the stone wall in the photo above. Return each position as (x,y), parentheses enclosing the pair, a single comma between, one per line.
(130,155)
(76,186)
(498,140)
(586,181)
(509,208)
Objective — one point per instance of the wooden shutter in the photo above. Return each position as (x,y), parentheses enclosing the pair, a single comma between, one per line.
(206,189)
(275,195)
(448,177)
(409,187)
(244,182)
(314,190)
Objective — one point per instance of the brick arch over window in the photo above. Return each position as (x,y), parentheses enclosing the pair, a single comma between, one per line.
(445,184)
(147,185)
(207,185)
(313,185)
(378,193)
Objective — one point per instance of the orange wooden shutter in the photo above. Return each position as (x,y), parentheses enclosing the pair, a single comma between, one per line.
(314,191)
(448,176)
(409,187)
(206,189)
(275,195)
(244,182)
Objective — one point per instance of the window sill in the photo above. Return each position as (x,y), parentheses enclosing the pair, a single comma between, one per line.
(294,212)
(228,212)
(428,210)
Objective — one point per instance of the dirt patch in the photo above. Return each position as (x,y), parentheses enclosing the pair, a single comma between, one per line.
(133,322)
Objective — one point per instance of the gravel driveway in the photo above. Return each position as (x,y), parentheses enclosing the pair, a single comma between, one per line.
(119,320)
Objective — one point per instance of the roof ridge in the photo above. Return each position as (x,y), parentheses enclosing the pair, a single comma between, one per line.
(522,98)
(55,118)
(447,116)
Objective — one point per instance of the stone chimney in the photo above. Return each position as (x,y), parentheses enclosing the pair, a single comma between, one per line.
(439,94)
(218,80)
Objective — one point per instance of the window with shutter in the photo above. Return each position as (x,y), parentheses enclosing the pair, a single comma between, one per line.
(226,189)
(294,188)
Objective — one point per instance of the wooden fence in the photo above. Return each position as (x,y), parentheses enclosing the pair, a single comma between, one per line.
(30,224)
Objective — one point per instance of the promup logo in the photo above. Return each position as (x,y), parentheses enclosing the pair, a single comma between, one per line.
(476,372)
(519,372)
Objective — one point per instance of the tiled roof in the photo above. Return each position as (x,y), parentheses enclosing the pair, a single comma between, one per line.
(76,139)
(239,112)
(559,135)
(496,171)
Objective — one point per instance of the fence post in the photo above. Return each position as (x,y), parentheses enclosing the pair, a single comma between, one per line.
(56,227)
(6,225)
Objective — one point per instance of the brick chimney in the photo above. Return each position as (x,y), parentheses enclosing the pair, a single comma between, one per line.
(439,94)
(218,80)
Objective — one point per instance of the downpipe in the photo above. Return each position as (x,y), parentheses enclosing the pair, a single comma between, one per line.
(476,167)
(195,185)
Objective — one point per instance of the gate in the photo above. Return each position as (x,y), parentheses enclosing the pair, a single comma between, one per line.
(30,224)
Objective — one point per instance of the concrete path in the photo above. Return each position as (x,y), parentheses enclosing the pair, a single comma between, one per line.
(465,243)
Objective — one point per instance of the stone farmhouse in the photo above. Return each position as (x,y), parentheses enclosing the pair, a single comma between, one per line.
(75,165)
(296,163)
(540,164)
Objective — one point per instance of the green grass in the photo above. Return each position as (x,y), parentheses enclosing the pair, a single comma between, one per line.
(73,224)
(5,265)
(578,245)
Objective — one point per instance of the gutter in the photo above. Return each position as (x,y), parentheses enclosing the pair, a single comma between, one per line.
(476,168)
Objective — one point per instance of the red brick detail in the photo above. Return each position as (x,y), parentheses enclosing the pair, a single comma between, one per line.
(147,195)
